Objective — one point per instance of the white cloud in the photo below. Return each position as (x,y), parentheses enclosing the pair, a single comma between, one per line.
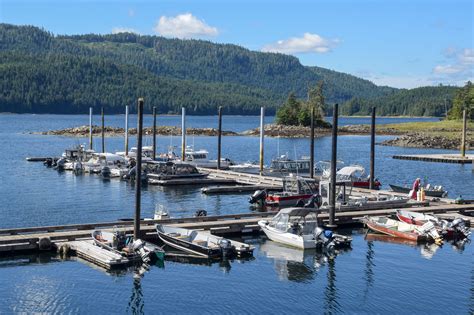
(401,82)
(184,26)
(307,44)
(460,64)
(119,29)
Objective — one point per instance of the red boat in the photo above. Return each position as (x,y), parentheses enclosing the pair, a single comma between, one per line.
(395,228)
(454,229)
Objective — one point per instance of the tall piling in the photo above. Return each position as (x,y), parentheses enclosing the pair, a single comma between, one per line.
(102,128)
(138,174)
(219,138)
(311,146)
(372,151)
(183,134)
(126,130)
(154,132)
(90,128)
(463,138)
(332,194)
(262,135)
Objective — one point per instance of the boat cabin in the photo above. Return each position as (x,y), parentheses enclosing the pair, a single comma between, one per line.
(193,156)
(286,165)
(298,185)
(299,221)
(343,190)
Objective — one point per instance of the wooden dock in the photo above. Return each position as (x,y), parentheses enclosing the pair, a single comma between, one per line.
(244,178)
(237,189)
(190,181)
(29,239)
(440,158)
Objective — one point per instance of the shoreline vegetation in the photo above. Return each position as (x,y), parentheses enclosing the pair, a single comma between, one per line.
(436,135)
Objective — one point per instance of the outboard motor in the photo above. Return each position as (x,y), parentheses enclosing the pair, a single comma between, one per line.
(77,168)
(105,172)
(258,197)
(226,247)
(324,237)
(200,213)
(60,164)
(314,202)
(459,225)
(48,162)
(138,246)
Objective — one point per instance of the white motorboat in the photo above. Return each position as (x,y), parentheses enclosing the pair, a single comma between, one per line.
(147,153)
(199,158)
(101,160)
(292,226)
(248,167)
(298,227)
(285,165)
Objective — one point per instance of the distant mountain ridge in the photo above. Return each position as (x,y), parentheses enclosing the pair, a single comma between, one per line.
(43,73)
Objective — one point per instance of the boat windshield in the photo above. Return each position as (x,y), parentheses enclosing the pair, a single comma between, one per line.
(280,222)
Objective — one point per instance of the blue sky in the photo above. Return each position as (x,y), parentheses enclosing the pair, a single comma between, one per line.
(402,43)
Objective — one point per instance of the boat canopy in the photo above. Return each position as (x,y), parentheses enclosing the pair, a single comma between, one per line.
(297,212)
(351,170)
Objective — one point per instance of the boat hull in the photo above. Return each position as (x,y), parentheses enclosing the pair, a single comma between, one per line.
(429,193)
(392,232)
(286,238)
(287,201)
(189,247)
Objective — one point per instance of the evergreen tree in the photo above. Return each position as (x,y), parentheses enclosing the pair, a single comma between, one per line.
(463,100)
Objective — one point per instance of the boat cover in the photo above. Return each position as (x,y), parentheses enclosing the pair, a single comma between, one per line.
(298,211)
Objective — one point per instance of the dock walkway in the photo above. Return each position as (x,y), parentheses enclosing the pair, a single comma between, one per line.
(441,158)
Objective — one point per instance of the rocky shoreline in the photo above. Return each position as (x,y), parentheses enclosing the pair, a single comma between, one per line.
(423,140)
(404,139)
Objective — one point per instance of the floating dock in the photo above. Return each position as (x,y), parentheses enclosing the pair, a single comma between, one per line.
(244,178)
(440,158)
(237,189)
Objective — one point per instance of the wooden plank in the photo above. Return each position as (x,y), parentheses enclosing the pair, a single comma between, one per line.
(237,189)
(190,181)
(441,158)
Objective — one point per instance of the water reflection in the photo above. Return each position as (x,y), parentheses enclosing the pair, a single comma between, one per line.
(369,272)
(136,304)
(427,250)
(295,264)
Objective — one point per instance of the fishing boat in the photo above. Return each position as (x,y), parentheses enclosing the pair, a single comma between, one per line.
(448,229)
(285,165)
(431,191)
(297,190)
(118,242)
(199,158)
(385,225)
(172,170)
(201,243)
(298,227)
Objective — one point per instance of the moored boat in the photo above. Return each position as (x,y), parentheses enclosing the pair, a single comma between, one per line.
(118,242)
(448,229)
(201,243)
(385,225)
(431,191)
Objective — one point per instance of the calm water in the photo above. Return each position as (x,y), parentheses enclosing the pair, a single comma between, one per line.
(374,277)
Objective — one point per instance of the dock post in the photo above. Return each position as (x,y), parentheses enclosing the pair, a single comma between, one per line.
(102,129)
(138,174)
(311,146)
(463,139)
(332,193)
(262,135)
(219,138)
(183,134)
(154,132)
(372,151)
(90,128)
(126,130)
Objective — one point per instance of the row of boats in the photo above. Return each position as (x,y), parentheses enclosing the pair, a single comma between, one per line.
(419,227)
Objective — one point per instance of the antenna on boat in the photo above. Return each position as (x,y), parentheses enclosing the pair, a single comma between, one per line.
(296,159)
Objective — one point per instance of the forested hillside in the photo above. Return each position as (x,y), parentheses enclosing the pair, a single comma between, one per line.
(423,101)
(44,73)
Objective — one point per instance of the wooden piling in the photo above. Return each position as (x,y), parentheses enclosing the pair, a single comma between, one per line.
(90,128)
(372,151)
(262,135)
(332,195)
(219,138)
(126,130)
(138,174)
(183,134)
(154,132)
(463,138)
(102,129)
(311,146)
